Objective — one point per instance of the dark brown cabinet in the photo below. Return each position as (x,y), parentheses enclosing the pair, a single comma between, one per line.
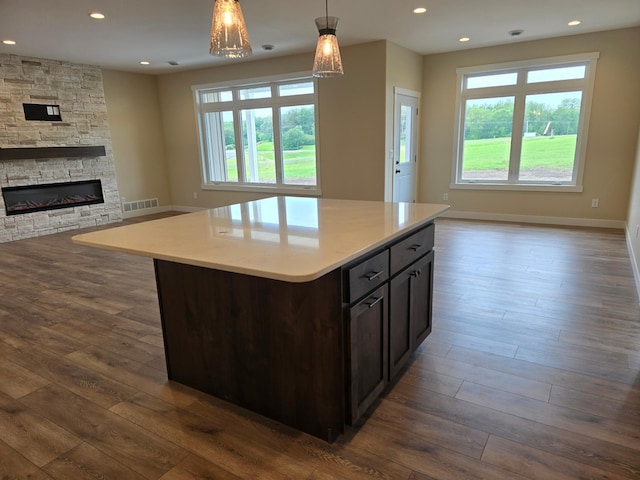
(421,299)
(400,321)
(400,331)
(313,355)
(410,306)
(367,353)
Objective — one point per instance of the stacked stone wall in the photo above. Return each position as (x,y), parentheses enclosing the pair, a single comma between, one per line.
(78,90)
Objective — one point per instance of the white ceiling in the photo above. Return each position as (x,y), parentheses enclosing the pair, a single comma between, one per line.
(178,30)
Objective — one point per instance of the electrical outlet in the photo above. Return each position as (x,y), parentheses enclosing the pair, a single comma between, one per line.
(445,196)
(195,195)
(594,203)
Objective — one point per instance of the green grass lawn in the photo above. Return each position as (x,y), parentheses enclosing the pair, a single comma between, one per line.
(299,165)
(548,153)
(537,152)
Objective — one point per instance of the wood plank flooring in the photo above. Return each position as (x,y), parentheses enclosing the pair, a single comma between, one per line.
(532,372)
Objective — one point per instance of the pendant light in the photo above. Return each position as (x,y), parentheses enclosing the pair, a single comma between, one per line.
(327,62)
(229,37)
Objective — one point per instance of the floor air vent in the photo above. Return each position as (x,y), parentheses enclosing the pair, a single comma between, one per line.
(139,205)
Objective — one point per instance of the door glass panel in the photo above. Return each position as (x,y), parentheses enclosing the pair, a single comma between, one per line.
(406,126)
(487,138)
(298,130)
(550,136)
(257,145)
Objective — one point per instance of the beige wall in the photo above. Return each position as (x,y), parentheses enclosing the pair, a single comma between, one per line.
(613,129)
(404,70)
(633,220)
(351,125)
(133,110)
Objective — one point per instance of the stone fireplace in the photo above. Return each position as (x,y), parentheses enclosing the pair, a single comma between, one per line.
(74,148)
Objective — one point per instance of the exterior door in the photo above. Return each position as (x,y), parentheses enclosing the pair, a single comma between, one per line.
(405,133)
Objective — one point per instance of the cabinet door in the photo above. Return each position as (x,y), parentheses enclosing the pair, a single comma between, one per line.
(421,299)
(367,325)
(410,297)
(400,334)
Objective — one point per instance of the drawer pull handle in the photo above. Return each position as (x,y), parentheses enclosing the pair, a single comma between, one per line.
(416,273)
(414,247)
(375,301)
(373,275)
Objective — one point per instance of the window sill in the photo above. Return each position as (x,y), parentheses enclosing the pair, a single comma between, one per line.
(268,189)
(514,187)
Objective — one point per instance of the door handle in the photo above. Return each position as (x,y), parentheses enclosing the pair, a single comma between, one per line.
(375,301)
(373,275)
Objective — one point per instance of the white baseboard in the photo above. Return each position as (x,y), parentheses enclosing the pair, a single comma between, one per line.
(634,260)
(181,208)
(568,221)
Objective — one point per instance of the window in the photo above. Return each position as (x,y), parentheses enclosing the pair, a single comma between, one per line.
(523,125)
(259,135)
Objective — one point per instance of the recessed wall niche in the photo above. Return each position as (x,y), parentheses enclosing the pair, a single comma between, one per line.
(43,113)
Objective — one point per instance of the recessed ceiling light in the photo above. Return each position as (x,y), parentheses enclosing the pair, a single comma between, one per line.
(144,62)
(9,42)
(419,10)
(573,23)
(516,33)
(97,15)
(464,39)
(268,47)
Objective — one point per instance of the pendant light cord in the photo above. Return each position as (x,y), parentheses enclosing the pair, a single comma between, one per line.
(326,12)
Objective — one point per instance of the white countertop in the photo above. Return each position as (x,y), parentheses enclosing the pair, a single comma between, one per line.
(283,238)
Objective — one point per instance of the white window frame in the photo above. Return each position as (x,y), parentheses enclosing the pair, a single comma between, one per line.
(521,89)
(276,101)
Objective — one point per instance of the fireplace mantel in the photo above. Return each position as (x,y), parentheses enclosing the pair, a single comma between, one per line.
(24,153)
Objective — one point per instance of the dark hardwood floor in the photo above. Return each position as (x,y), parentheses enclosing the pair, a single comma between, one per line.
(532,372)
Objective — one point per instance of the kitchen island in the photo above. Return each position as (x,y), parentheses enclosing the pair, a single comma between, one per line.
(299,309)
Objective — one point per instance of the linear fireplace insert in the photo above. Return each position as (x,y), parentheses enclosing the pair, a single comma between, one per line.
(50,196)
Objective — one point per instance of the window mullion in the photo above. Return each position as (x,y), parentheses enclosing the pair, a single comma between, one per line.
(237,132)
(277,141)
(516,138)
(277,147)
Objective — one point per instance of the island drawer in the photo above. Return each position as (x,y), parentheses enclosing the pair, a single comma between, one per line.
(411,248)
(367,275)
